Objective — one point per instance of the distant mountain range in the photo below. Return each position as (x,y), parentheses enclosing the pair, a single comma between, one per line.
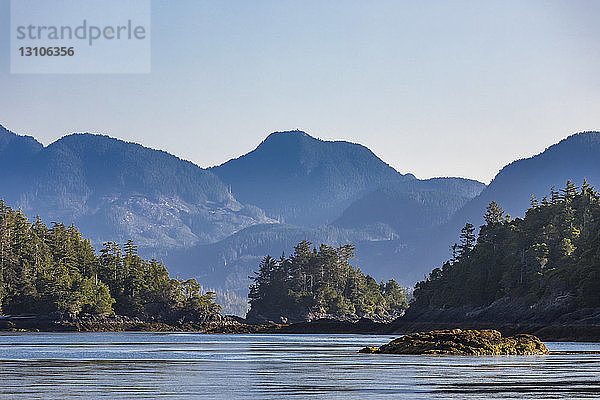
(217,223)
(115,190)
(305,181)
(409,206)
(577,158)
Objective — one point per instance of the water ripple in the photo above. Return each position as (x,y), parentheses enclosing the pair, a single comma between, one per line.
(192,366)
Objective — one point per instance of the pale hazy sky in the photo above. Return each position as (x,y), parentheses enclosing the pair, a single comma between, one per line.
(436,88)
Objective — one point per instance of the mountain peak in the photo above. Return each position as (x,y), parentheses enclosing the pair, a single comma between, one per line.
(292,133)
(17,145)
(307,179)
(287,137)
(573,158)
(591,138)
(7,132)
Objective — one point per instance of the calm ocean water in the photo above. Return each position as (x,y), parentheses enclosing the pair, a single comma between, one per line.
(190,366)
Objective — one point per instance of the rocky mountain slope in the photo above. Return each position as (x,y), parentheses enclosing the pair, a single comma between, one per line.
(115,190)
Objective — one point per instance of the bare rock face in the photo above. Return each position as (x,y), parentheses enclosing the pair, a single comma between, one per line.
(462,342)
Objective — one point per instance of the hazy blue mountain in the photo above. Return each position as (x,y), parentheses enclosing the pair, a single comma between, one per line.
(118,190)
(15,153)
(305,181)
(386,226)
(577,158)
(410,206)
(13,146)
(229,262)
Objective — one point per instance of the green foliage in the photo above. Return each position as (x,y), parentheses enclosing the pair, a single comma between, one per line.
(320,282)
(44,270)
(494,214)
(232,303)
(553,251)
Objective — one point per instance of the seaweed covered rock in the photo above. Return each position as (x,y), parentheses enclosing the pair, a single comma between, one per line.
(462,342)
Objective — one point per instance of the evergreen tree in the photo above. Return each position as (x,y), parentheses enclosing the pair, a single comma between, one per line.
(494,214)
(321,281)
(44,270)
(554,249)
(467,241)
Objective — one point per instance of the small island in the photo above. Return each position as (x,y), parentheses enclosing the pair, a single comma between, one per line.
(462,342)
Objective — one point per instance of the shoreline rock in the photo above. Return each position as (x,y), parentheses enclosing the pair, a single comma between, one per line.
(58,322)
(232,324)
(462,342)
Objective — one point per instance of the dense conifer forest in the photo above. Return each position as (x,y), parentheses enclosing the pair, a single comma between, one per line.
(47,269)
(553,252)
(320,283)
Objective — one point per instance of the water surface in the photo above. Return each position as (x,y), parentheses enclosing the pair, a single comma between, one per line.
(190,366)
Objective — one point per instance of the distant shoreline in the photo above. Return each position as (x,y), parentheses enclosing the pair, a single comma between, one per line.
(236,325)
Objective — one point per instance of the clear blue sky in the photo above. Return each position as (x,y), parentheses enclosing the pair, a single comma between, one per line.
(436,88)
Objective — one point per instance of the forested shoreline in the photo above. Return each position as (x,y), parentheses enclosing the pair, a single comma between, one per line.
(45,270)
(542,267)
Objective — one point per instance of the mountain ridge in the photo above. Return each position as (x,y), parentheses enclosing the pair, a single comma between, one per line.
(172,208)
(577,158)
(313,178)
(121,190)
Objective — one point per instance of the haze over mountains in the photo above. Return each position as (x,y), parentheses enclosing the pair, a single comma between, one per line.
(576,157)
(216,224)
(303,180)
(114,189)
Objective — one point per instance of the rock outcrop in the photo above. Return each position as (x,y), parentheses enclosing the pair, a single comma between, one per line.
(462,342)
(59,322)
